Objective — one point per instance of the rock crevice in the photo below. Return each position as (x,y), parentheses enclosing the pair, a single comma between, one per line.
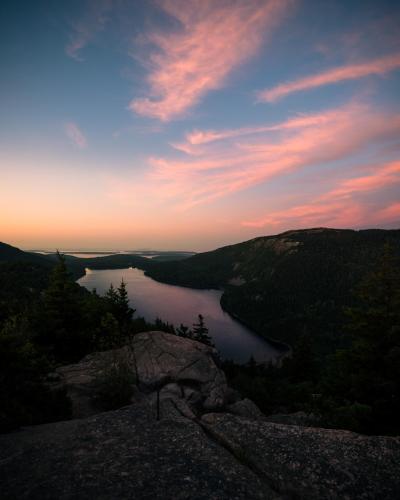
(207,443)
(177,368)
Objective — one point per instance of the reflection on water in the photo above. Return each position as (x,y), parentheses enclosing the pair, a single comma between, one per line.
(176,305)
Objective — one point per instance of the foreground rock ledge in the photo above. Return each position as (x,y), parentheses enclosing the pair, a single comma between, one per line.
(313,463)
(197,450)
(128,454)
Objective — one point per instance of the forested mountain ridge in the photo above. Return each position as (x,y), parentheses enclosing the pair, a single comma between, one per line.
(287,284)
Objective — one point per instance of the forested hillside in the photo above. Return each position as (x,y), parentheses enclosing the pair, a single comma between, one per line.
(283,286)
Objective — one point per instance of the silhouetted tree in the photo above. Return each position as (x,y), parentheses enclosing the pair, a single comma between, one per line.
(125,311)
(112,295)
(164,326)
(118,302)
(200,332)
(184,331)
(61,320)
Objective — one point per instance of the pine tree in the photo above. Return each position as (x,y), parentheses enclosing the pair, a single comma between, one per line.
(112,295)
(126,312)
(118,302)
(162,326)
(59,297)
(184,331)
(61,319)
(200,332)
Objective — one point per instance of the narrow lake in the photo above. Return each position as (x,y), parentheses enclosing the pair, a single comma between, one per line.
(176,305)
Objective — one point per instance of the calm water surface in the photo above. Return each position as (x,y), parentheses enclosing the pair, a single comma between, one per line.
(176,305)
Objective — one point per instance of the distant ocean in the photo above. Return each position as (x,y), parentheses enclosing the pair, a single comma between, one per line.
(80,253)
(103,253)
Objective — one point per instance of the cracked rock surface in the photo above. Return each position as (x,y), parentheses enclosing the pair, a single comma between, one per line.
(162,359)
(181,369)
(120,455)
(206,443)
(312,463)
(127,453)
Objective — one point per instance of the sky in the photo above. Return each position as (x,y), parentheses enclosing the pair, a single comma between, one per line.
(192,124)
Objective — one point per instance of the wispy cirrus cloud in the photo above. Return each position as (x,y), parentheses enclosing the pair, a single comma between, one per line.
(213,38)
(332,214)
(339,206)
(224,167)
(85,29)
(75,134)
(198,137)
(384,175)
(391,213)
(379,66)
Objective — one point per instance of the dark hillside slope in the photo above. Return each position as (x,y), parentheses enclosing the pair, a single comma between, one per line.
(22,277)
(9,254)
(288,284)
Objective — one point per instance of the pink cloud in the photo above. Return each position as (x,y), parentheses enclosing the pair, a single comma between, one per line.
(378,66)
(75,135)
(213,38)
(85,29)
(228,166)
(338,207)
(334,214)
(198,137)
(386,175)
(390,213)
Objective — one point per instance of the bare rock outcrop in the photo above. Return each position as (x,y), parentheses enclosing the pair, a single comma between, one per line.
(312,463)
(245,408)
(123,454)
(177,368)
(128,453)
(201,443)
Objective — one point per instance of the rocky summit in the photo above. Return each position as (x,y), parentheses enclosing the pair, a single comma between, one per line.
(186,435)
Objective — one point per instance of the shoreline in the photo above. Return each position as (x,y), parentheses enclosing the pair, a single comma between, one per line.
(283,348)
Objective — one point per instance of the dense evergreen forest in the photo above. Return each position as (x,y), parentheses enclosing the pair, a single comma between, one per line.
(357,387)
(341,316)
(282,286)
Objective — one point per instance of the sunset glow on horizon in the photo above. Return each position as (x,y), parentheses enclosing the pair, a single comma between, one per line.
(192,124)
